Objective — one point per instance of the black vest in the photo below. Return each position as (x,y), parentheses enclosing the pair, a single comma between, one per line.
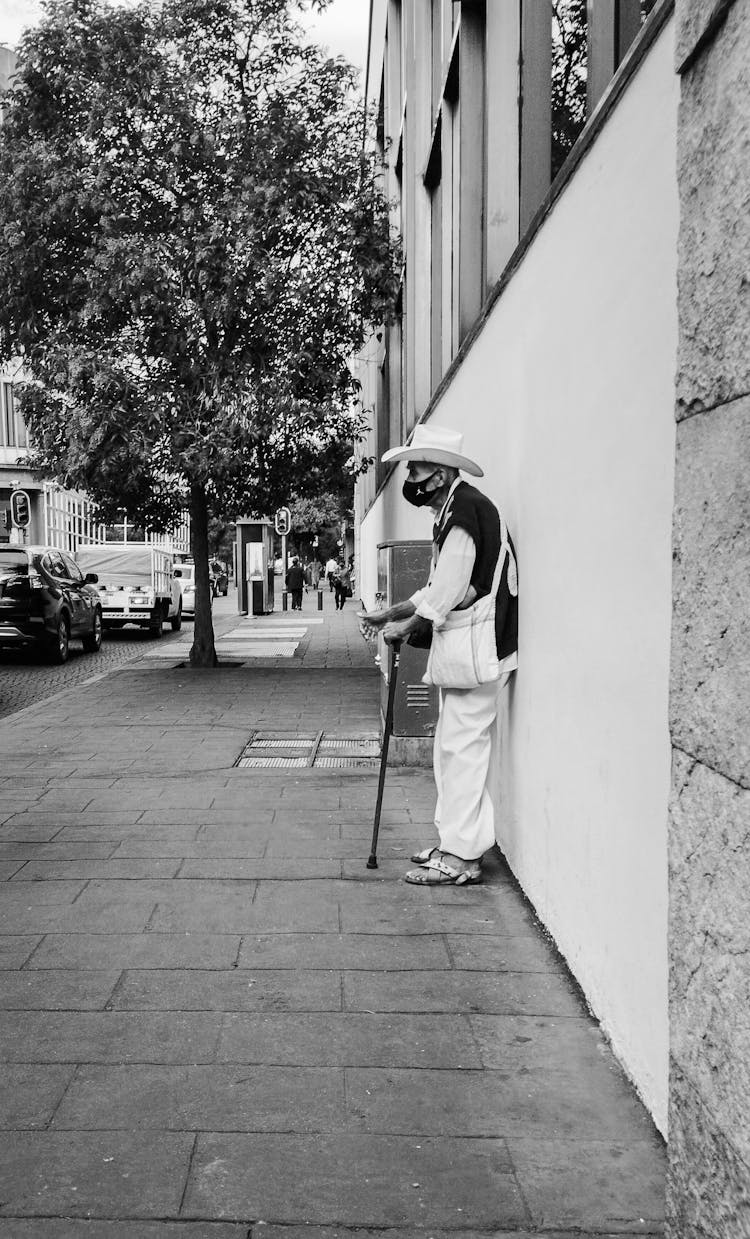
(470,510)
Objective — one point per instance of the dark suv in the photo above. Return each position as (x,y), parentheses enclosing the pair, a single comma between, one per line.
(45,600)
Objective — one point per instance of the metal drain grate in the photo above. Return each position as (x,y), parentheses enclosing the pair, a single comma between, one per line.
(276,750)
(336,763)
(272,763)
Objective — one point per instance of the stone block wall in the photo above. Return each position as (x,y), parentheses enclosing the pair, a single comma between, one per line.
(709,1181)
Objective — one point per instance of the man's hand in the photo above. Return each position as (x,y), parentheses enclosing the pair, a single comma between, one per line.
(370,622)
(397,630)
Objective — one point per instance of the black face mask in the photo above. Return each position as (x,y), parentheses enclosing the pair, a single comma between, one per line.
(414,494)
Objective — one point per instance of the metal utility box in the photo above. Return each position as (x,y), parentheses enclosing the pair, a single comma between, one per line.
(403,568)
(254,565)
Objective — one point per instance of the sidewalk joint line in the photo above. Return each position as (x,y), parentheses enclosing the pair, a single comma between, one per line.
(187,1176)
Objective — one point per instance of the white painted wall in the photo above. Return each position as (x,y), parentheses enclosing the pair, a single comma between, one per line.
(567,400)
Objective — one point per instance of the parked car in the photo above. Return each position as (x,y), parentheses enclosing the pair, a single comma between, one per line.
(45,600)
(184,575)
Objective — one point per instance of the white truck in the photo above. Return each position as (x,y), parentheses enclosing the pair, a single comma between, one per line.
(136,584)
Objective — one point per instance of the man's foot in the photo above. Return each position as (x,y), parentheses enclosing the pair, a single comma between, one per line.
(442,869)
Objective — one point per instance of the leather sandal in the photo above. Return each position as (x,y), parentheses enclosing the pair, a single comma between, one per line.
(435,872)
(421,858)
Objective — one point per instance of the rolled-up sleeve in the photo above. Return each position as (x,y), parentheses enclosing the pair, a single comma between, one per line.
(449,580)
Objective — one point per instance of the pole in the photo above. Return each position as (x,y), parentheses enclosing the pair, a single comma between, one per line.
(372,863)
(285,565)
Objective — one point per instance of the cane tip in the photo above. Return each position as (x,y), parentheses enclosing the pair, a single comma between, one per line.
(372,863)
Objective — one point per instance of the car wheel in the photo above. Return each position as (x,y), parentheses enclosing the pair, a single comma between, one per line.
(176,621)
(155,628)
(92,642)
(59,646)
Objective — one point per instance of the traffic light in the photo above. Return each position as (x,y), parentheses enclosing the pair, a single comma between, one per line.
(283,522)
(20,509)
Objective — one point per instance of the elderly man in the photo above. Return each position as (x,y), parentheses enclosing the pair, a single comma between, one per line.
(468,538)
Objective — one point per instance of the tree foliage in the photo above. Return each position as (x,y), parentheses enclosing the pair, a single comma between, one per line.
(193,244)
(569,65)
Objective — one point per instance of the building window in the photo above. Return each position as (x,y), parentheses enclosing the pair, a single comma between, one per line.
(12,426)
(569,62)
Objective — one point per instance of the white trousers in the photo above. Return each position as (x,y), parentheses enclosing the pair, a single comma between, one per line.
(464,741)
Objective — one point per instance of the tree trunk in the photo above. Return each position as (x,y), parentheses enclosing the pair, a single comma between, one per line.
(203,651)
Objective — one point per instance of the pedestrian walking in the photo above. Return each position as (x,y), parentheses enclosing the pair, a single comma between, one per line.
(315,569)
(469,612)
(331,569)
(343,585)
(295,581)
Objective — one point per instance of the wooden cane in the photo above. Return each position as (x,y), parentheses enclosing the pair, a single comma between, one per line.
(388,727)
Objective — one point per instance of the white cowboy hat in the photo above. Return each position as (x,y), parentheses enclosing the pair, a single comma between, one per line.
(435,445)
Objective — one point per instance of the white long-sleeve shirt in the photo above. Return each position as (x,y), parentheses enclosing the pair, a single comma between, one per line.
(449,580)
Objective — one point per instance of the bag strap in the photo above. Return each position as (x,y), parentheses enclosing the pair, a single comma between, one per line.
(503,553)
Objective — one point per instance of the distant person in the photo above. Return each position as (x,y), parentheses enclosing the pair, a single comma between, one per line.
(332,568)
(315,570)
(342,585)
(295,583)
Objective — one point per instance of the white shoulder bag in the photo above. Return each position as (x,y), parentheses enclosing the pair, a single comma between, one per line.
(463,653)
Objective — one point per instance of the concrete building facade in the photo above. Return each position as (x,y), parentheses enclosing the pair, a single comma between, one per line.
(542,322)
(547,304)
(540,317)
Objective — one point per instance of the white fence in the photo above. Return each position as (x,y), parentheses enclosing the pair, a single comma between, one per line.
(70,521)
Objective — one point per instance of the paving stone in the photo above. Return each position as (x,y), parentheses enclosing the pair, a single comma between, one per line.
(70,1228)
(122,917)
(199,848)
(151,950)
(505,993)
(617,1186)
(528,1102)
(346,1039)
(206,1098)
(135,1174)
(270,867)
(199,892)
(331,845)
(38,870)
(238,990)
(25,832)
(48,892)
(207,817)
(16,949)
(353,951)
(56,851)
(519,954)
(98,833)
(342,1232)
(364,1180)
(518,1042)
(279,907)
(29,1095)
(422,916)
(55,990)
(9,867)
(109,1037)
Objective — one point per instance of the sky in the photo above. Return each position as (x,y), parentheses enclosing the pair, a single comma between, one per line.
(342,28)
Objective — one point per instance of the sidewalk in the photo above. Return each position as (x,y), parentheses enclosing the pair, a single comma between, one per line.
(218,1023)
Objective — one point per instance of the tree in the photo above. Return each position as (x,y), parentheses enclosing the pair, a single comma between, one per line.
(193,246)
(319,516)
(569,65)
